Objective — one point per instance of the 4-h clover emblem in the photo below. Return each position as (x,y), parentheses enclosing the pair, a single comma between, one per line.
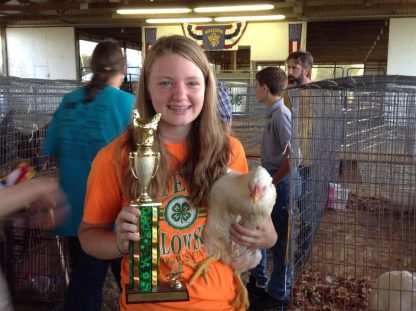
(179,214)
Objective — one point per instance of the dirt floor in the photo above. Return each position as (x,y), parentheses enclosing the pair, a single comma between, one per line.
(362,242)
(351,249)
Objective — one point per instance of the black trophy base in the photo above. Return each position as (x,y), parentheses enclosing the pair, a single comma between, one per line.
(163,294)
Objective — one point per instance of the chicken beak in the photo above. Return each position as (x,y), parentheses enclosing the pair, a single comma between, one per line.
(255,194)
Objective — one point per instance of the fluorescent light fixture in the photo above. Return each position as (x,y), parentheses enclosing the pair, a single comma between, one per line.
(179,20)
(154,11)
(234,8)
(249,18)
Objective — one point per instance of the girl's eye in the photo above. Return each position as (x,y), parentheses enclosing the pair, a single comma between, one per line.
(165,83)
(193,84)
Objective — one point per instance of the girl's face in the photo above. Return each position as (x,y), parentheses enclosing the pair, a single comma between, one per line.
(176,87)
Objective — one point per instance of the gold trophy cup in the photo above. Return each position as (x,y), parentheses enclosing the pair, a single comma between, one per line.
(144,255)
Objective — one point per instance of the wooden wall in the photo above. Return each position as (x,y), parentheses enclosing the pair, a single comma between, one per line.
(352,42)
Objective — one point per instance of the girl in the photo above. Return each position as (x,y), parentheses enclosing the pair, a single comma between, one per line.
(87,119)
(176,81)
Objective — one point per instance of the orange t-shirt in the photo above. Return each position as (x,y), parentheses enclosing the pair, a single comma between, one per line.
(180,237)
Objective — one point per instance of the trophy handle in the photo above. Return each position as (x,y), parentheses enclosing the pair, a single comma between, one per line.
(131,164)
(157,164)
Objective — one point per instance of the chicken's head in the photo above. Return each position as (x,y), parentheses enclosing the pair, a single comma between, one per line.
(259,182)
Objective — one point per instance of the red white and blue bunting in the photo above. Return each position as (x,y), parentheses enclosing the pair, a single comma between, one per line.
(215,37)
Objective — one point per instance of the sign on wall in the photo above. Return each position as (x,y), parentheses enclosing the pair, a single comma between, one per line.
(215,37)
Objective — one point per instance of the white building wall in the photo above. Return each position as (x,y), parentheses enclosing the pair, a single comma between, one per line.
(269,41)
(402,47)
(43,53)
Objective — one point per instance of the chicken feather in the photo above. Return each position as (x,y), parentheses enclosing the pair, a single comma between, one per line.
(394,291)
(244,198)
(247,199)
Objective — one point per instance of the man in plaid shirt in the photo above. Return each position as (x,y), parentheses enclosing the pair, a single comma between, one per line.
(225,108)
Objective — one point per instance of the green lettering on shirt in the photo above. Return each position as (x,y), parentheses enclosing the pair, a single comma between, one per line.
(198,237)
(178,183)
(163,250)
(176,244)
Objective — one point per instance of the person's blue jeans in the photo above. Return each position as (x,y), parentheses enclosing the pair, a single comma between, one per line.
(259,273)
(87,277)
(279,284)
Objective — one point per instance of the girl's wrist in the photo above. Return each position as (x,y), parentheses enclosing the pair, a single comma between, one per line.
(119,251)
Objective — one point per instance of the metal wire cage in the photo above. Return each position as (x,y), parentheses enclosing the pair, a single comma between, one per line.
(33,260)
(26,107)
(355,219)
(34,265)
(248,116)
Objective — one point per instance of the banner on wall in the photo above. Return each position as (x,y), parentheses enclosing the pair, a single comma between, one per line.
(295,37)
(215,37)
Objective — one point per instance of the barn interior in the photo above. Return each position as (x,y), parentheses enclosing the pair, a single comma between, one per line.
(360,209)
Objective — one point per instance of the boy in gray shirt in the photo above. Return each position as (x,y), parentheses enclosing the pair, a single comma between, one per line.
(274,292)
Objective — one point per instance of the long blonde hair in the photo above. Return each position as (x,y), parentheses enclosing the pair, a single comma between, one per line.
(208,149)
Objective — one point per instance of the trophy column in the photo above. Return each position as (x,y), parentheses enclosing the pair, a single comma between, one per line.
(144,255)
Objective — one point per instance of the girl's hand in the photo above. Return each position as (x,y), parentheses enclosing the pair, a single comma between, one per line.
(262,237)
(126,228)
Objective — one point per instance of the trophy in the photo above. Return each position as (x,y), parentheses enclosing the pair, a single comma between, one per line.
(144,255)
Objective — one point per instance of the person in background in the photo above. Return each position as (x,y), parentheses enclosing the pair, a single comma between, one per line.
(274,292)
(86,120)
(46,207)
(225,108)
(177,82)
(299,69)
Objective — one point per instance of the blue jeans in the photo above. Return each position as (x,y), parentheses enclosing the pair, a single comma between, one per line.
(87,277)
(279,284)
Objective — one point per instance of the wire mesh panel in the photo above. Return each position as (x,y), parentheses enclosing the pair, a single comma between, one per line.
(34,265)
(33,259)
(354,237)
(248,116)
(26,107)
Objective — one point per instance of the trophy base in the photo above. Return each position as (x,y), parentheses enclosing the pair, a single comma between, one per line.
(163,294)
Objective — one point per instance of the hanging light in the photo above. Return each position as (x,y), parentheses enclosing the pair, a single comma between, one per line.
(154,11)
(249,18)
(179,20)
(234,8)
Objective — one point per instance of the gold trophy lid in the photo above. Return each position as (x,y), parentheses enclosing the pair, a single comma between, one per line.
(146,130)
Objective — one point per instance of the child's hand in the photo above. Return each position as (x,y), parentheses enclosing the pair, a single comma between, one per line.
(264,236)
(49,205)
(126,228)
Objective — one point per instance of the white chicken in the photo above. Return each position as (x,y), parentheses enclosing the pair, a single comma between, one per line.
(244,198)
(394,291)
